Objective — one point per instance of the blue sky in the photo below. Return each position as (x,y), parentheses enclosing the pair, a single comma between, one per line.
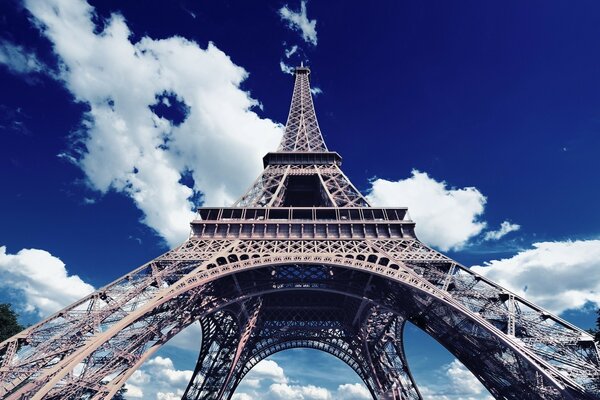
(118,117)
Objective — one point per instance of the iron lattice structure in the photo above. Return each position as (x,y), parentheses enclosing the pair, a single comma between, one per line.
(301,260)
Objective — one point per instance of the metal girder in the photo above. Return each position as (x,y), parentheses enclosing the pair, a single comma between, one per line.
(568,362)
(269,275)
(372,350)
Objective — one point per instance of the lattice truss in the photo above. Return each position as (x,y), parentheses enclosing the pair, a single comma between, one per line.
(269,189)
(350,330)
(89,349)
(302,131)
(255,296)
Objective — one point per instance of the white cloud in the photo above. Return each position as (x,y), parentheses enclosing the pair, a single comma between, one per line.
(159,378)
(286,69)
(555,275)
(316,91)
(260,376)
(163,368)
(289,52)
(458,383)
(169,395)
(134,392)
(446,217)
(353,391)
(283,391)
(139,377)
(188,339)
(267,369)
(19,60)
(505,228)
(463,380)
(267,381)
(241,396)
(42,279)
(298,21)
(125,146)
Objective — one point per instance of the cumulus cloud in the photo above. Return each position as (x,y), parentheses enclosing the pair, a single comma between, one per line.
(298,21)
(21,61)
(458,383)
(463,380)
(281,391)
(241,396)
(41,280)
(134,392)
(446,217)
(505,228)
(158,379)
(353,391)
(268,369)
(558,276)
(268,381)
(163,368)
(188,339)
(125,143)
(286,69)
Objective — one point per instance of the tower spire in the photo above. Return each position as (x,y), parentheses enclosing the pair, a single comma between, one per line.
(302,131)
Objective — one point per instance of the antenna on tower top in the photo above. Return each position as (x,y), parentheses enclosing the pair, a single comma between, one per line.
(302,64)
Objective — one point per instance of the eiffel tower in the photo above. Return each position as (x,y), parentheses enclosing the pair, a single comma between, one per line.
(301,261)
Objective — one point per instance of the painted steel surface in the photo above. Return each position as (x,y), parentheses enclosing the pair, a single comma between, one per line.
(301,260)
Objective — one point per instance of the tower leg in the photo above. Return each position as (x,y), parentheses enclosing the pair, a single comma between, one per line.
(382,335)
(219,337)
(224,336)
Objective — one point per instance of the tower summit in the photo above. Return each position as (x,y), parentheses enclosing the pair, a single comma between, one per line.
(302,131)
(301,260)
(302,172)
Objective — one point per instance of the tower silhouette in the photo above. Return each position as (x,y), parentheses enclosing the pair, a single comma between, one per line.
(301,261)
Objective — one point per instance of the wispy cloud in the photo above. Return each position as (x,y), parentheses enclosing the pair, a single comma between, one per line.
(291,51)
(19,60)
(287,69)
(13,120)
(298,21)
(505,228)
(315,90)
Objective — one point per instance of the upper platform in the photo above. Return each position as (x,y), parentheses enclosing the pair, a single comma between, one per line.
(303,223)
(302,158)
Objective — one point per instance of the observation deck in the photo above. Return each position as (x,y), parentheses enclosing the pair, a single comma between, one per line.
(303,223)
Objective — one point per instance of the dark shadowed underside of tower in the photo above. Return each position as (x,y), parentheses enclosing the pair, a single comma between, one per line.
(301,260)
